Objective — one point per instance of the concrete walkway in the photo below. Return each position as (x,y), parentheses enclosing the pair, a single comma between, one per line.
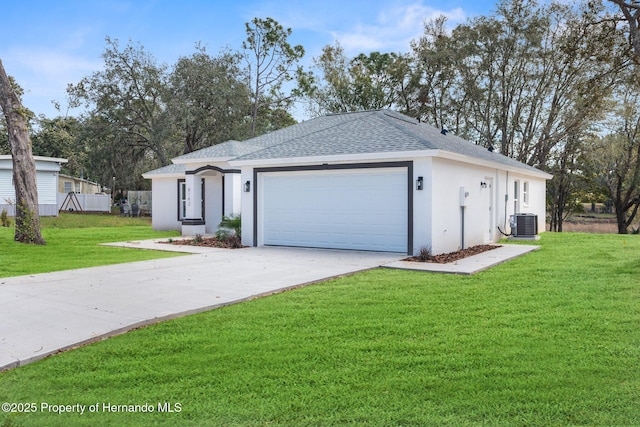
(43,314)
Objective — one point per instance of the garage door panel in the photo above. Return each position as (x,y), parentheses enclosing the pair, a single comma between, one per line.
(359,209)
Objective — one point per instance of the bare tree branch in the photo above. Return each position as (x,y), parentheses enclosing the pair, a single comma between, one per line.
(631,12)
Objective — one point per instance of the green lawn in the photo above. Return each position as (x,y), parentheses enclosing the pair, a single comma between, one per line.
(73,242)
(549,339)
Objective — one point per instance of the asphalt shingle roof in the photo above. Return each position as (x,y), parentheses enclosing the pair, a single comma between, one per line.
(228,149)
(168,170)
(365,132)
(378,131)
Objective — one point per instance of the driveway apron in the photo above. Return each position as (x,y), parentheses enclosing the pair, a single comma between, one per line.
(43,314)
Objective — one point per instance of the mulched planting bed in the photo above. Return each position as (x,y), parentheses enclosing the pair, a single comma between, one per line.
(210,242)
(453,256)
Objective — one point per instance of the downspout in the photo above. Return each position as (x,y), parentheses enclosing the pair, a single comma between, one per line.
(462,233)
(506,199)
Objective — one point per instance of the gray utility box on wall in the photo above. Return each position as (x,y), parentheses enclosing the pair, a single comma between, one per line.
(524,225)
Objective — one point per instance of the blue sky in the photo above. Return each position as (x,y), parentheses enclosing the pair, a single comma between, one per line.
(47,44)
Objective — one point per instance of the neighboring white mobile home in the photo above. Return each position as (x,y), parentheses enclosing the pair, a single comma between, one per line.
(47,171)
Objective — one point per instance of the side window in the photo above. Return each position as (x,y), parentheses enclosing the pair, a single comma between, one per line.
(67,187)
(525,193)
(516,197)
(182,199)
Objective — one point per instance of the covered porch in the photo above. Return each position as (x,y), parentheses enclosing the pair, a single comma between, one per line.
(206,194)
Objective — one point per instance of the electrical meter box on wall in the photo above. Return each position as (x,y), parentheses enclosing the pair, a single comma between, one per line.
(463,196)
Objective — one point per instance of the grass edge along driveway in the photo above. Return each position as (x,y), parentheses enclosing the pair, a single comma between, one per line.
(73,241)
(551,338)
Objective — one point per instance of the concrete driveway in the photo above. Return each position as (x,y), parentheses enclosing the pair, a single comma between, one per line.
(45,313)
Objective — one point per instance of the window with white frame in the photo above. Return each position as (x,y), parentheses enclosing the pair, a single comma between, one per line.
(525,193)
(516,197)
(67,187)
(182,197)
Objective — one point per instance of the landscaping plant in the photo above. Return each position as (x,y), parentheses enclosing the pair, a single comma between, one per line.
(4,218)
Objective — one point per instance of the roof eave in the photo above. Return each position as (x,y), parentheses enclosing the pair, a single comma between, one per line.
(338,158)
(39,158)
(179,161)
(492,164)
(342,158)
(162,175)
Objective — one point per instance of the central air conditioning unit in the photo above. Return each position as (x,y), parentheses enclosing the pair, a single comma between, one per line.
(524,225)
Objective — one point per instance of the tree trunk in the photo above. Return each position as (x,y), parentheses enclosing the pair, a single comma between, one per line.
(254,111)
(622,225)
(621,219)
(631,12)
(24,166)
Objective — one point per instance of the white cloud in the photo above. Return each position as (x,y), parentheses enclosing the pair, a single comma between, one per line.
(360,26)
(53,65)
(45,74)
(393,29)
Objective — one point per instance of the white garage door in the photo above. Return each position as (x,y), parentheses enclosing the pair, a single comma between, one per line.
(363,209)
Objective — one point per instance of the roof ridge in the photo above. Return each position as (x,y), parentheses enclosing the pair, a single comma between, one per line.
(392,118)
(345,113)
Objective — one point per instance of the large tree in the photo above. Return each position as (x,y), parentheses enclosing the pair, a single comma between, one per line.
(523,80)
(365,82)
(109,154)
(4,137)
(58,137)
(272,61)
(27,228)
(437,99)
(128,94)
(615,157)
(529,80)
(208,99)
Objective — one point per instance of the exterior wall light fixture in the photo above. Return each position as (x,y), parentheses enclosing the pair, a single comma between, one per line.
(247,186)
(419,183)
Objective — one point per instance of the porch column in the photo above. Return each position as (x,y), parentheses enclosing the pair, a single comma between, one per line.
(193,223)
(232,192)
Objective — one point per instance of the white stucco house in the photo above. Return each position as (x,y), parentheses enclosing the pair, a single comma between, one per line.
(47,172)
(373,180)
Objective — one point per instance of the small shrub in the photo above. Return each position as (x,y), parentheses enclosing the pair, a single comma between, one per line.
(233,242)
(223,234)
(230,225)
(198,239)
(4,218)
(425,254)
